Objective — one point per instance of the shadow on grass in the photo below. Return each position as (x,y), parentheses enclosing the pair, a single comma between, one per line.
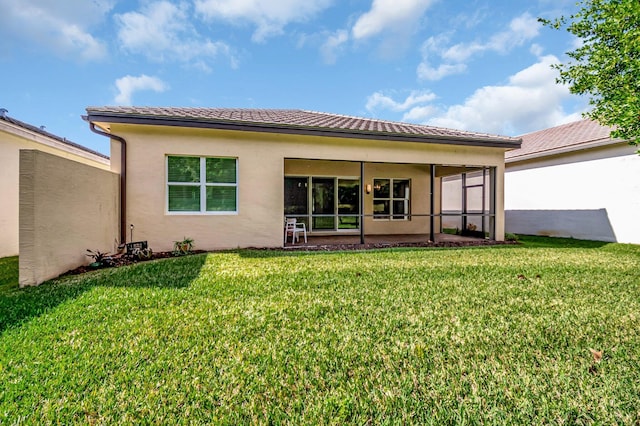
(19,305)
(531,241)
(8,273)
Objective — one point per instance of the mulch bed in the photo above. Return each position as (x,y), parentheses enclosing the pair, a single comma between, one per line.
(123,260)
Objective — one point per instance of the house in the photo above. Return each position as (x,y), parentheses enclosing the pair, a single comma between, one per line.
(16,135)
(574,181)
(229,177)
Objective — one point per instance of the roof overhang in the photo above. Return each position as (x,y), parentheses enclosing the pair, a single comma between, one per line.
(136,119)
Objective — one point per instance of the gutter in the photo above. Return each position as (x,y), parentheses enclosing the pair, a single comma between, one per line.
(123,178)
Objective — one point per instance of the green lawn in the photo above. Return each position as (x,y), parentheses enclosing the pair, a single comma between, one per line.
(406,336)
(8,273)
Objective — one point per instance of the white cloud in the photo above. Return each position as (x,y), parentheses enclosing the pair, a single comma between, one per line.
(269,16)
(390,15)
(419,114)
(536,49)
(521,29)
(530,101)
(162,32)
(379,100)
(397,17)
(333,45)
(62,26)
(129,84)
(426,72)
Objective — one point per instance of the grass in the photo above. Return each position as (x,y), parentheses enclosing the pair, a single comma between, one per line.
(8,273)
(405,336)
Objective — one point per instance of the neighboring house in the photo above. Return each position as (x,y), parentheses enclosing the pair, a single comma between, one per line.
(228,177)
(574,181)
(16,135)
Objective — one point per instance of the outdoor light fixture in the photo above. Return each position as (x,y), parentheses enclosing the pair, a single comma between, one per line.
(131,227)
(368,188)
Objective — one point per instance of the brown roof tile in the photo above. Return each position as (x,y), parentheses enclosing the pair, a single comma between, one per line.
(571,136)
(294,118)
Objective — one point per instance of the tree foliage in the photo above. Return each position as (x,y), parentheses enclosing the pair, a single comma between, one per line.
(606,66)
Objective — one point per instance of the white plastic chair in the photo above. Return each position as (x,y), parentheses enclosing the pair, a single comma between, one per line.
(293,228)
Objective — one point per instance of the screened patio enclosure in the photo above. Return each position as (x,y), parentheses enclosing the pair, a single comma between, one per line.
(468,197)
(343,198)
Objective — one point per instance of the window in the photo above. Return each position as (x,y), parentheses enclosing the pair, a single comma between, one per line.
(391,199)
(202,185)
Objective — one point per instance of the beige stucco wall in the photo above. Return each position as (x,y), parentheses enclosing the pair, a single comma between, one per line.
(261,171)
(66,207)
(12,140)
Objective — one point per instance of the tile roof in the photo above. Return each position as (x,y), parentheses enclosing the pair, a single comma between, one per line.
(27,126)
(294,119)
(567,137)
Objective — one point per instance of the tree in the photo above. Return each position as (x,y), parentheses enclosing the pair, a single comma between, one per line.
(606,66)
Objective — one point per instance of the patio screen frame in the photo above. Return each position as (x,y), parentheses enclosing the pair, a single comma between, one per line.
(435,172)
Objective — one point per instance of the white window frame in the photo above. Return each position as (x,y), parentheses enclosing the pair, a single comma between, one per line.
(405,216)
(203,187)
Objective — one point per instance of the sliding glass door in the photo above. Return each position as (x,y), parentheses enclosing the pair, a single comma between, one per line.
(296,202)
(323,191)
(323,203)
(348,204)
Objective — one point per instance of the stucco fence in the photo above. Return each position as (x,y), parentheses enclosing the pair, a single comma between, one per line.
(65,208)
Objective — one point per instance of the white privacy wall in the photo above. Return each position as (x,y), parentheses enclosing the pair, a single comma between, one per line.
(593,195)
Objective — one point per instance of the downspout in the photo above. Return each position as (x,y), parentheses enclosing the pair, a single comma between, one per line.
(123,179)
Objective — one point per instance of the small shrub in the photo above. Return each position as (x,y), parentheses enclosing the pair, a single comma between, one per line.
(99,258)
(510,237)
(180,248)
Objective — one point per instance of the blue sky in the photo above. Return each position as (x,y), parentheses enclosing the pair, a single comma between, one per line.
(481,65)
